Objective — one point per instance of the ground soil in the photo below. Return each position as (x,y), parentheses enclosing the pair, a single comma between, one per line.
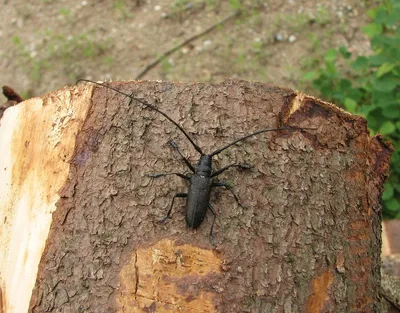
(48,44)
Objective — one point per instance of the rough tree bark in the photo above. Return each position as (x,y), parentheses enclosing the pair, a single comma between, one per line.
(80,218)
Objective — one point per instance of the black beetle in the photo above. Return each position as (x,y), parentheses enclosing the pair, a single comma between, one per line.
(202,180)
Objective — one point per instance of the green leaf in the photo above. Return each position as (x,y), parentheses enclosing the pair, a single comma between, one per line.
(398,125)
(372,13)
(387,128)
(388,193)
(344,84)
(386,83)
(392,18)
(16,40)
(381,16)
(331,70)
(338,95)
(344,52)
(385,68)
(384,99)
(355,93)
(372,30)
(235,4)
(330,55)
(310,75)
(391,112)
(360,64)
(377,59)
(350,104)
(392,205)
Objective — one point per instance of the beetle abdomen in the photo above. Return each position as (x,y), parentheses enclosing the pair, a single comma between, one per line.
(198,199)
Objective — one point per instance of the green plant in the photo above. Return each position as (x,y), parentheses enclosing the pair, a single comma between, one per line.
(166,66)
(213,3)
(235,4)
(65,12)
(120,6)
(370,86)
(35,65)
(178,8)
(108,60)
(182,9)
(322,16)
(70,49)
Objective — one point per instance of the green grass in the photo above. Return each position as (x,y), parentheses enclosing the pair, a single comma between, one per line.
(72,49)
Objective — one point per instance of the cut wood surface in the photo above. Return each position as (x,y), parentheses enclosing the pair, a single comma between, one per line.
(80,230)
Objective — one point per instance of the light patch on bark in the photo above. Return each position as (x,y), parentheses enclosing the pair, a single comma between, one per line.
(37,140)
(319,292)
(301,98)
(167,277)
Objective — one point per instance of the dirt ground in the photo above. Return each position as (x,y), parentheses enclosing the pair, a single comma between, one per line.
(47,44)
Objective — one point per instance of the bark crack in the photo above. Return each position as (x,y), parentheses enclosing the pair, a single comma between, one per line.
(136,276)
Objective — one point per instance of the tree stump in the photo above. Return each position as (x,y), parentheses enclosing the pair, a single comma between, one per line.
(80,218)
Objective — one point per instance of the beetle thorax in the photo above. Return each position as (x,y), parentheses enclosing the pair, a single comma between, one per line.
(203,167)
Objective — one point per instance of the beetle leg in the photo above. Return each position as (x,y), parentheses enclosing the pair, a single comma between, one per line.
(229,188)
(175,147)
(243,166)
(178,195)
(212,225)
(157,175)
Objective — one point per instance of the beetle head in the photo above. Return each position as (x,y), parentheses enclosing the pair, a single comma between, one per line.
(204,165)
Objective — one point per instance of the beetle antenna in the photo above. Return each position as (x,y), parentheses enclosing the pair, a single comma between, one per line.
(150,106)
(253,134)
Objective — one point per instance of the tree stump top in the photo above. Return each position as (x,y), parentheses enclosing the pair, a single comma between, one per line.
(308,242)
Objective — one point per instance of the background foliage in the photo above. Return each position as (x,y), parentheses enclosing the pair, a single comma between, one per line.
(369,85)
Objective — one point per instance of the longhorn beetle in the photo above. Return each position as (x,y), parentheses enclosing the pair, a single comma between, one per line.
(202,180)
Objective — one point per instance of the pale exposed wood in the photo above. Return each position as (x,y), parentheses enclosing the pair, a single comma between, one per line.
(37,141)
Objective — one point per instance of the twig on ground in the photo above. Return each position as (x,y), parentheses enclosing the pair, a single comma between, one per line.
(178,46)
